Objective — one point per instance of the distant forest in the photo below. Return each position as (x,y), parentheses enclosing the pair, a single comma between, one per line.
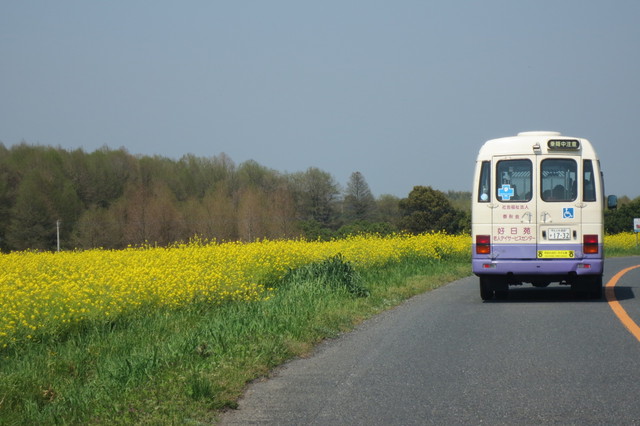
(113,199)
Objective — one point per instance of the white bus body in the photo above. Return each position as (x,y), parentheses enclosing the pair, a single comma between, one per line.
(537,214)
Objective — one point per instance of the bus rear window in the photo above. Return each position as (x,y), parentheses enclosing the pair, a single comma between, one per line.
(484,193)
(513,180)
(588,182)
(558,179)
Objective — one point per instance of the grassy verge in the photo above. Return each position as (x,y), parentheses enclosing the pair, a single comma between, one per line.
(183,365)
(616,252)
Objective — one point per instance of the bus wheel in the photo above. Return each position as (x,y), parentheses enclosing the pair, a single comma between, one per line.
(486,291)
(502,294)
(596,287)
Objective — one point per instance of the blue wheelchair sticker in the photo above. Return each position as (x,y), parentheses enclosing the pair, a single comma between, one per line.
(567,213)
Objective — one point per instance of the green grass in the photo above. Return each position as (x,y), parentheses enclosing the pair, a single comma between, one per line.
(183,366)
(619,252)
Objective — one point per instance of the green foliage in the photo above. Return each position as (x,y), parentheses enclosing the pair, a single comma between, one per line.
(316,195)
(366,227)
(111,199)
(429,210)
(41,195)
(460,200)
(621,219)
(97,227)
(31,221)
(388,210)
(464,223)
(99,178)
(313,230)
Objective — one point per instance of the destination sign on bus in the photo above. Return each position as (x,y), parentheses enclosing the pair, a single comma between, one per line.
(563,145)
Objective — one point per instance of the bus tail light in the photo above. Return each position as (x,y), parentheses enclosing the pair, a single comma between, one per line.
(590,244)
(483,244)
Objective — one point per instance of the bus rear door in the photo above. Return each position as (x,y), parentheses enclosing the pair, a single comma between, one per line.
(514,213)
(559,211)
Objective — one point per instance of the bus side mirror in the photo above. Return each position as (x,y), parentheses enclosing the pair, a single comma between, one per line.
(612,202)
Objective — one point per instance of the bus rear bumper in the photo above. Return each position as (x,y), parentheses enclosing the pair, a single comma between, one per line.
(535,267)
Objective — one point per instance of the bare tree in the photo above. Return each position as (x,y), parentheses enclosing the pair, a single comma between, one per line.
(282,213)
(221,214)
(251,214)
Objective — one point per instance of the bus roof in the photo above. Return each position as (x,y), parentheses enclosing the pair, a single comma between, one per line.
(539,142)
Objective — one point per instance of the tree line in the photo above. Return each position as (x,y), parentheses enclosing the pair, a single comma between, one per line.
(113,199)
(621,219)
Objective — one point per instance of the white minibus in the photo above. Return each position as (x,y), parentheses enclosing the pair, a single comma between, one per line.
(537,214)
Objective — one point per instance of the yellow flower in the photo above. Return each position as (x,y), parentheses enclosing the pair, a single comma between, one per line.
(45,292)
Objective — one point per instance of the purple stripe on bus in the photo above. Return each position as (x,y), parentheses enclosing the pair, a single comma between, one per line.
(530,251)
(514,251)
(522,259)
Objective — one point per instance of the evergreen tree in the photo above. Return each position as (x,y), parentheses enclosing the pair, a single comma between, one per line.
(359,203)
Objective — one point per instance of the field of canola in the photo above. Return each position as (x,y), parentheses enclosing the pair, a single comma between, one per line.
(48,292)
(623,242)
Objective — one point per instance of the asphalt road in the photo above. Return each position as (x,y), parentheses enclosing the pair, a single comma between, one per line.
(542,356)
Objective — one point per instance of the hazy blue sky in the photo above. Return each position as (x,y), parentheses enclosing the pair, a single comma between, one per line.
(405,92)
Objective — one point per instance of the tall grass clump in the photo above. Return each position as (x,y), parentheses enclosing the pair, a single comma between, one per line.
(334,272)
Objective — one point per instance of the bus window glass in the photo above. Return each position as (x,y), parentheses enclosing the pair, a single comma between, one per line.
(485,183)
(513,180)
(558,179)
(588,182)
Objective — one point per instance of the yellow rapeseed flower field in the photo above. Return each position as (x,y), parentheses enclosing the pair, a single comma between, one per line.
(622,241)
(48,292)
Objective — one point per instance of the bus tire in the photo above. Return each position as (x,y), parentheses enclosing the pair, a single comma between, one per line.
(596,287)
(486,290)
(502,294)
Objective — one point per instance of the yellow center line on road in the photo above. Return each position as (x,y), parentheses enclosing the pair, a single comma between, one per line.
(617,307)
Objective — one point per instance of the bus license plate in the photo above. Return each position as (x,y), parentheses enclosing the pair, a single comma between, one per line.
(559,234)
